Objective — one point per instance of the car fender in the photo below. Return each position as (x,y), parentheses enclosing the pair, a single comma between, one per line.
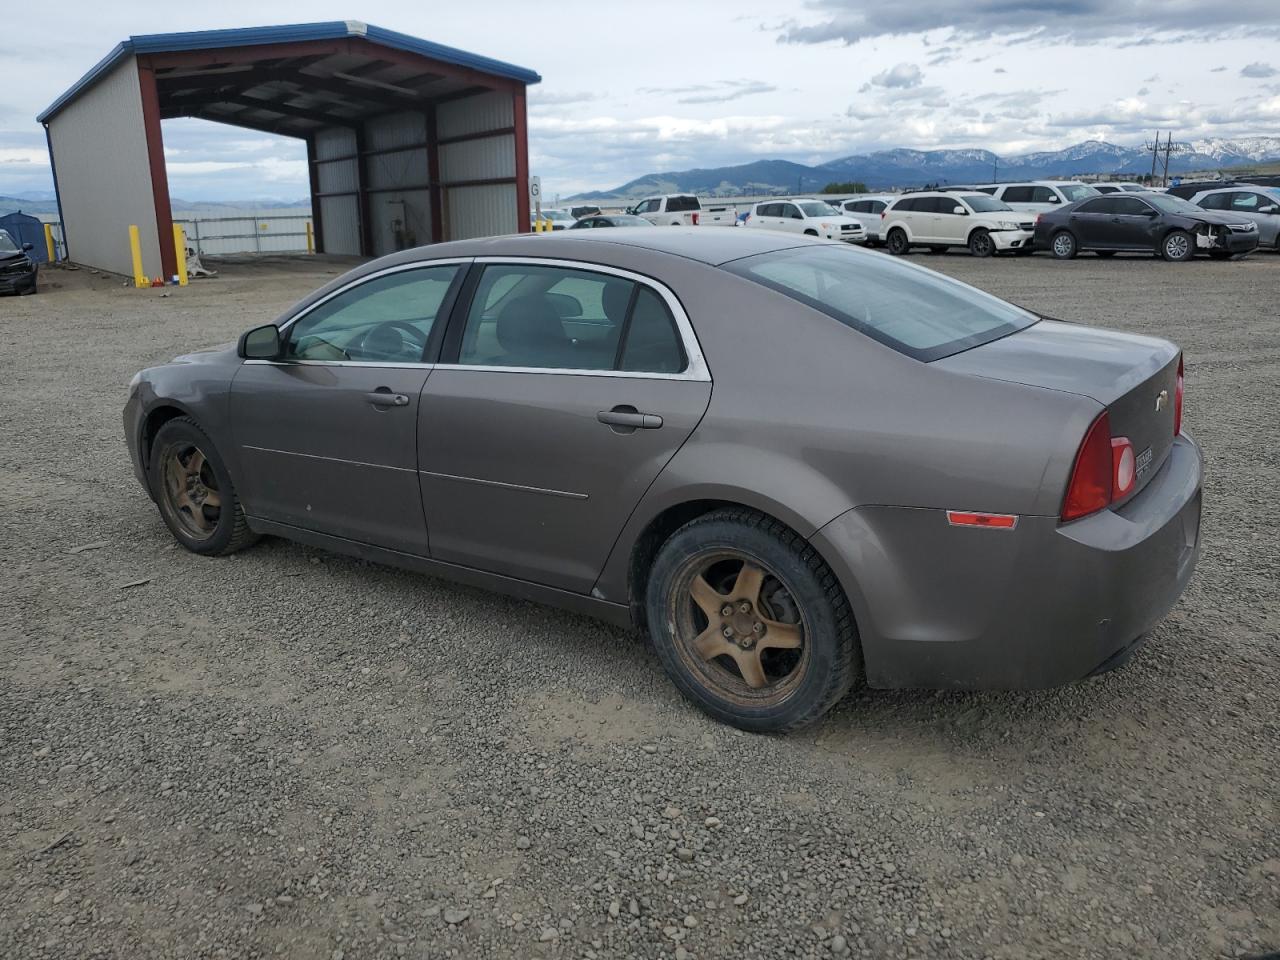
(900,224)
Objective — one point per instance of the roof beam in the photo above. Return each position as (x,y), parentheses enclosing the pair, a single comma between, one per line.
(246,80)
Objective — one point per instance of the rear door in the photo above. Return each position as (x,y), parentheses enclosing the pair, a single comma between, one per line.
(327,435)
(565,389)
(1091,222)
(1131,223)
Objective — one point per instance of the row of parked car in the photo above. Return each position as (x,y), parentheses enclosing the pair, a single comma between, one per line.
(1062,217)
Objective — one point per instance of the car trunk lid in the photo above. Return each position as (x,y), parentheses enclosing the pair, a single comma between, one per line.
(1133,377)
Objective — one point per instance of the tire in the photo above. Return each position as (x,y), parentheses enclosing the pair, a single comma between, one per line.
(1177,246)
(1063,245)
(981,244)
(811,233)
(897,241)
(184,497)
(1105,253)
(791,597)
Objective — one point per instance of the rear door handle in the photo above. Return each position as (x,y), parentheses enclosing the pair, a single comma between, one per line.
(383,397)
(629,418)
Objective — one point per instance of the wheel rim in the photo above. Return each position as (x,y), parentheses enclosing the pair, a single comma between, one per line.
(981,244)
(1062,245)
(739,629)
(1176,247)
(190,492)
(896,242)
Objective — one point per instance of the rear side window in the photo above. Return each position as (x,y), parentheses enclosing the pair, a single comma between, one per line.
(531,316)
(913,310)
(681,204)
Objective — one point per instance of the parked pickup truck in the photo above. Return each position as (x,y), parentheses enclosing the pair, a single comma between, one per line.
(684,209)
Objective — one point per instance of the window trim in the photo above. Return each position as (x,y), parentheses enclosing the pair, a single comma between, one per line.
(440,322)
(695,368)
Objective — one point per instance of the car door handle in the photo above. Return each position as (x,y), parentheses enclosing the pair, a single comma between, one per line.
(383,397)
(629,417)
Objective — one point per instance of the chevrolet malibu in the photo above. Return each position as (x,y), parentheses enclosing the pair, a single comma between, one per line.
(797,466)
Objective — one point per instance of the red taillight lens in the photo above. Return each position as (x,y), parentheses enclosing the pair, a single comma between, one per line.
(882,214)
(1091,477)
(1177,402)
(695,219)
(1039,217)
(1123,465)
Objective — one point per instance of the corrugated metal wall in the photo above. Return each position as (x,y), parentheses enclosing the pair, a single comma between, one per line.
(339,216)
(399,203)
(104,177)
(483,210)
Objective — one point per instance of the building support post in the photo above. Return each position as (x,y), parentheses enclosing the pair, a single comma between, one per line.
(522,160)
(313,170)
(159,175)
(434,190)
(362,195)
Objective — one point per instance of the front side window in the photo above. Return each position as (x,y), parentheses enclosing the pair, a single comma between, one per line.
(1098,205)
(559,318)
(1077,191)
(1247,202)
(384,320)
(816,208)
(1217,201)
(980,203)
(913,310)
(1129,207)
(649,206)
(791,211)
(681,204)
(6,243)
(1044,195)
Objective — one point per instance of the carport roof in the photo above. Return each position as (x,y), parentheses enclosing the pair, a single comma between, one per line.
(306,76)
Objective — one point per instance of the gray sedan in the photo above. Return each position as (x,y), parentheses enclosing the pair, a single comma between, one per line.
(796,465)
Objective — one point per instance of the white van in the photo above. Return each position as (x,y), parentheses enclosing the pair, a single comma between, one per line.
(1039,196)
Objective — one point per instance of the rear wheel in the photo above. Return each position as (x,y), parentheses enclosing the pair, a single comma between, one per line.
(896,241)
(981,244)
(1063,245)
(197,500)
(750,623)
(1178,246)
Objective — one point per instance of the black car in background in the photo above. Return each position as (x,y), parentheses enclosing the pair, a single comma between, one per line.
(17,270)
(611,220)
(1169,227)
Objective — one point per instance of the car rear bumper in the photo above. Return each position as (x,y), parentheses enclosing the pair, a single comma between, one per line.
(1046,603)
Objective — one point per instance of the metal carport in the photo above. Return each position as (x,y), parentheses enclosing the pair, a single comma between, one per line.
(408,141)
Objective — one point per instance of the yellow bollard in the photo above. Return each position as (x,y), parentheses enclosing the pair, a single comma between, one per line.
(135,244)
(49,244)
(311,240)
(180,248)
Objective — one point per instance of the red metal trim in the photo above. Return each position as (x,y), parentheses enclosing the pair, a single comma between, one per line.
(482,135)
(433,175)
(317,216)
(155,160)
(521,131)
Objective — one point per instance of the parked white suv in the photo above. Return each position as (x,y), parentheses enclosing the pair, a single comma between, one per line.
(940,220)
(866,209)
(1039,196)
(804,215)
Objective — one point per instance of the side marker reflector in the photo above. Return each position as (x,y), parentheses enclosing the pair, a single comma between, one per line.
(966,518)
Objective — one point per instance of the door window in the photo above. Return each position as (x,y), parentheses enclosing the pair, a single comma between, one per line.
(384,320)
(1102,204)
(649,206)
(792,211)
(1129,207)
(1247,202)
(558,318)
(1044,195)
(1016,195)
(1217,201)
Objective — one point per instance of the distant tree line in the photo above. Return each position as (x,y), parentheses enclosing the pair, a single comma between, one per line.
(853,186)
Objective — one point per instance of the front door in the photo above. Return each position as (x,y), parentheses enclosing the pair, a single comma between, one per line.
(327,435)
(568,391)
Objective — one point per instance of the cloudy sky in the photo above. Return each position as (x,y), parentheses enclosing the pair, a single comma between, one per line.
(631,88)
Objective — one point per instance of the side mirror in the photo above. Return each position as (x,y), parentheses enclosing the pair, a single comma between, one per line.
(260,343)
(959,211)
(28,246)
(1270,209)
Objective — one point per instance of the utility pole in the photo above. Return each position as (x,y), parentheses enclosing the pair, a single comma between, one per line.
(1168,149)
(1155,152)
(995,169)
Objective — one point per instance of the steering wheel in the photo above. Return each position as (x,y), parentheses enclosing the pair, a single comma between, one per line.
(379,341)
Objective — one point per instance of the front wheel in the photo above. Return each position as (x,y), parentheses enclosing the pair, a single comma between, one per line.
(1178,246)
(896,241)
(750,623)
(193,489)
(981,244)
(1063,245)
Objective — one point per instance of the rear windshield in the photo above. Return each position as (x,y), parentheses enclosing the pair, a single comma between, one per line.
(913,310)
(981,203)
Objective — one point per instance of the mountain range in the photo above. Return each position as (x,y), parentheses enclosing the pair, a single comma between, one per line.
(914,168)
(38,202)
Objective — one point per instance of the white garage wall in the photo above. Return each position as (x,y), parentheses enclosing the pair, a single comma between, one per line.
(339,216)
(396,180)
(482,210)
(104,176)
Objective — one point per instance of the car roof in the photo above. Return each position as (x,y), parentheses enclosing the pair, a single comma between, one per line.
(710,245)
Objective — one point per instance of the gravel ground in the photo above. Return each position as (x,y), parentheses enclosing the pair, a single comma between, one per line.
(292,754)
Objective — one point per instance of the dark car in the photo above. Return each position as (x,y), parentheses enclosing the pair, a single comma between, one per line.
(611,220)
(798,465)
(17,271)
(1169,227)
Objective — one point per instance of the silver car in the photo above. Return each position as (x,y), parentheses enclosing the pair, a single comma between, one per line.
(797,465)
(1259,204)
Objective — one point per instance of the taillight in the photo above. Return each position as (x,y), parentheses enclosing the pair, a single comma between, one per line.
(1177,402)
(883,214)
(1039,217)
(1124,467)
(1091,478)
(695,219)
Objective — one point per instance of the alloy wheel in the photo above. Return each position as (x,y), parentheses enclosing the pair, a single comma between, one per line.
(739,628)
(1063,245)
(1177,246)
(190,490)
